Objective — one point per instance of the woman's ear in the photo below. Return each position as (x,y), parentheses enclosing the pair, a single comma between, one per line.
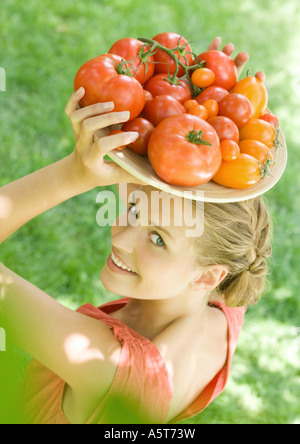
(209,277)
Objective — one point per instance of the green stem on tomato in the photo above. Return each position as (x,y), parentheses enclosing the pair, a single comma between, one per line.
(196,137)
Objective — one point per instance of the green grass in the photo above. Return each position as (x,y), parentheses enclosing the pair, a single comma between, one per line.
(62,252)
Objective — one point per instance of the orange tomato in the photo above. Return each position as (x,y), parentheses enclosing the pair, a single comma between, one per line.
(189,104)
(256,149)
(230,150)
(203,77)
(212,107)
(199,111)
(243,172)
(254,89)
(258,129)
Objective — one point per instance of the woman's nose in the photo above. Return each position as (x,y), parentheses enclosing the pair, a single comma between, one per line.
(123,238)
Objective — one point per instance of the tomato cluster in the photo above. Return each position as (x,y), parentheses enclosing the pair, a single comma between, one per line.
(196,121)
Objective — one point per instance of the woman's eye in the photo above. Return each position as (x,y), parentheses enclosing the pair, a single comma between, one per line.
(157,240)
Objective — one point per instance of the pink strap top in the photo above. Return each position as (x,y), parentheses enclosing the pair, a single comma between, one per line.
(142,378)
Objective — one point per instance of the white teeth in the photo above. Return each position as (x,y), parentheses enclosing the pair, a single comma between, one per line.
(119,263)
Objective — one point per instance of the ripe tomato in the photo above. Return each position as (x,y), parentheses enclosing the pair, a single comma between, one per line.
(102,83)
(159,85)
(225,128)
(256,149)
(189,104)
(271,118)
(230,150)
(223,66)
(177,154)
(212,92)
(243,172)
(258,129)
(133,50)
(237,108)
(203,77)
(145,129)
(164,61)
(161,107)
(254,89)
(212,108)
(199,111)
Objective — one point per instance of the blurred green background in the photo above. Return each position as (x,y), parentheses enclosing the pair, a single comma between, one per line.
(43,44)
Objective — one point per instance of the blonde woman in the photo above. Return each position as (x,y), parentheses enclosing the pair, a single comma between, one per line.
(162,351)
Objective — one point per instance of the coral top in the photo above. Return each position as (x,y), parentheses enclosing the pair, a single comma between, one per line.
(142,377)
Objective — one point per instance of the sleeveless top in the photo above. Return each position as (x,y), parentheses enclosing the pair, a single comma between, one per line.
(141,379)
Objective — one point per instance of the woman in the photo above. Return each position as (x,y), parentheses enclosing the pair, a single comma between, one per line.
(163,352)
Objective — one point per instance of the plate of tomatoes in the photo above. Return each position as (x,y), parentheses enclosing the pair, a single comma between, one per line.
(200,128)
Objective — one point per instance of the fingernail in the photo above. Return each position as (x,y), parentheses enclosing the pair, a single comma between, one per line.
(124,115)
(80,91)
(132,135)
(108,106)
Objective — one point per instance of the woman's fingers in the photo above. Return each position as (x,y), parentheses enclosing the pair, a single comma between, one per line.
(106,144)
(215,44)
(73,101)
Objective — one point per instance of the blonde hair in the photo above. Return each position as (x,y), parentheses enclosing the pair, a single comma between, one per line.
(237,235)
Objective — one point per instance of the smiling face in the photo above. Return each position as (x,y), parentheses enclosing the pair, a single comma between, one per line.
(150,262)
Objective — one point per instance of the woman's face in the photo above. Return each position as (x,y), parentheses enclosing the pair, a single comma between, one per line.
(163,258)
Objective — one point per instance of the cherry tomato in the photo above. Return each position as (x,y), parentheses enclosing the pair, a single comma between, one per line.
(102,83)
(212,108)
(258,129)
(144,128)
(164,61)
(243,172)
(120,148)
(179,153)
(237,108)
(223,66)
(203,77)
(161,107)
(189,104)
(212,92)
(225,128)
(148,95)
(159,85)
(271,118)
(199,111)
(230,150)
(256,149)
(131,49)
(254,89)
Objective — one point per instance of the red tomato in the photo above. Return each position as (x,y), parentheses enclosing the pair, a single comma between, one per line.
(148,95)
(159,85)
(243,172)
(223,66)
(237,108)
(102,83)
(271,118)
(161,107)
(203,77)
(212,92)
(258,129)
(145,129)
(134,50)
(254,89)
(164,61)
(230,150)
(225,128)
(256,149)
(177,154)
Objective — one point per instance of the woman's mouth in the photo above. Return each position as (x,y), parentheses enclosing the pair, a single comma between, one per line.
(115,264)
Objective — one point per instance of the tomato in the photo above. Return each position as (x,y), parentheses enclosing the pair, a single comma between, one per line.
(164,61)
(203,77)
(134,50)
(159,85)
(148,95)
(271,118)
(120,148)
(102,83)
(161,107)
(230,150)
(184,150)
(243,172)
(225,128)
(237,108)
(254,89)
(212,108)
(145,129)
(256,149)
(199,111)
(189,104)
(212,92)
(223,66)
(258,129)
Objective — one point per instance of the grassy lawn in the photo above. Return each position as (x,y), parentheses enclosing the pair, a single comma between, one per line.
(43,44)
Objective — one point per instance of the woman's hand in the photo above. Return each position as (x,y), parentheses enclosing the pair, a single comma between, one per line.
(91,126)
(240,60)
